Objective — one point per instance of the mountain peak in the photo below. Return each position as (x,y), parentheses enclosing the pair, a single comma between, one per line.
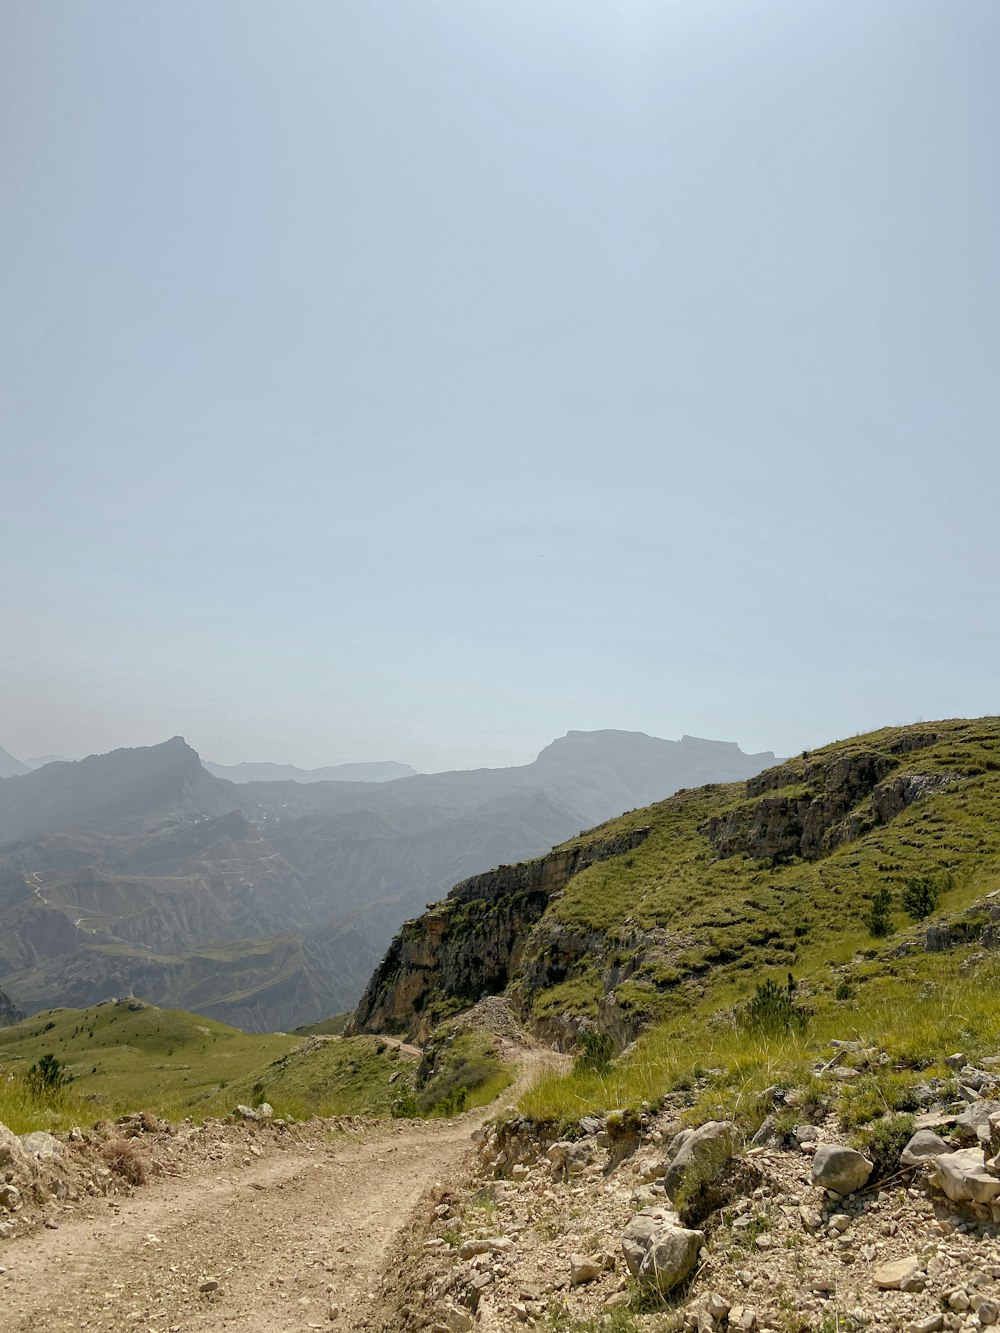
(117,792)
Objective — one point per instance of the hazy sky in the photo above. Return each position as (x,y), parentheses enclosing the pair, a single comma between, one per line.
(421,379)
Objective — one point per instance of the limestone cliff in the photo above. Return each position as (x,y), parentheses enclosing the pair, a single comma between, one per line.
(472,943)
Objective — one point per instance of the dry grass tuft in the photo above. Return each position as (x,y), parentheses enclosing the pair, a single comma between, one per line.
(124,1159)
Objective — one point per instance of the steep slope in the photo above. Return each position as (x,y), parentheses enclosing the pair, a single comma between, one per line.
(120,792)
(379,771)
(9,766)
(711,887)
(9,1012)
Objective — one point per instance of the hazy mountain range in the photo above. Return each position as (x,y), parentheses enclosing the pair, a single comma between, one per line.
(380,771)
(268,903)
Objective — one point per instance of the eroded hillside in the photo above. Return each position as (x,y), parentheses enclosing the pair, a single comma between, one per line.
(722,882)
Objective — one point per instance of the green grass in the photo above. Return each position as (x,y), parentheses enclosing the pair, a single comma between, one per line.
(175,1064)
(918,1009)
(460,1071)
(350,1076)
(326,1027)
(143,1058)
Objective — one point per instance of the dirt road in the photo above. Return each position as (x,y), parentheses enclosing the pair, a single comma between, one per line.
(294,1237)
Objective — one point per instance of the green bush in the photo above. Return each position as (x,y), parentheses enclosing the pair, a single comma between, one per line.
(877,918)
(773,1009)
(404,1106)
(883,1140)
(920,897)
(48,1075)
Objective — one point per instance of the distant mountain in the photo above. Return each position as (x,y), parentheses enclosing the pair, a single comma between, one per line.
(268,904)
(41,760)
(381,771)
(119,792)
(9,1012)
(591,774)
(9,766)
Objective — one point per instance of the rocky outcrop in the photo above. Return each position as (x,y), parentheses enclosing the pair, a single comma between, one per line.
(809,810)
(9,1012)
(470,944)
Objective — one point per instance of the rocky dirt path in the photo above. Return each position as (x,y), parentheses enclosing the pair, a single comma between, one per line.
(295,1238)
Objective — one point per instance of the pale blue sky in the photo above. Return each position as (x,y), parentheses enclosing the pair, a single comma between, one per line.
(422,379)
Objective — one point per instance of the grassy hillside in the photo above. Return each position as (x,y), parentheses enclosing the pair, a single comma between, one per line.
(331,1076)
(679,933)
(673,919)
(681,910)
(125,1056)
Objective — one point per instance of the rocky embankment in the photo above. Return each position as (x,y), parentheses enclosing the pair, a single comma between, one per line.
(669,1226)
(472,943)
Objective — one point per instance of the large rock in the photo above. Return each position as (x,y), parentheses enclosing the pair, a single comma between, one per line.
(840,1169)
(14,1159)
(963,1177)
(670,1258)
(45,1147)
(639,1233)
(701,1153)
(973,1125)
(924,1144)
(571,1158)
(658,1250)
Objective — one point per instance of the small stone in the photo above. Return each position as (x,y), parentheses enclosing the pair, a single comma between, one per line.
(932,1324)
(211,1285)
(717,1305)
(890,1277)
(584,1269)
(958,1300)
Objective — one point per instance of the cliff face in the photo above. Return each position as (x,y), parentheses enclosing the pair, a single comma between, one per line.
(472,943)
(824,805)
(9,1012)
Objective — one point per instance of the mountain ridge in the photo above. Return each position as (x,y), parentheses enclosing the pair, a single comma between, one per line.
(269,904)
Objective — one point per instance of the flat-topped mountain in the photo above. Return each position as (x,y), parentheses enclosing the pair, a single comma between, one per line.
(268,904)
(387,770)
